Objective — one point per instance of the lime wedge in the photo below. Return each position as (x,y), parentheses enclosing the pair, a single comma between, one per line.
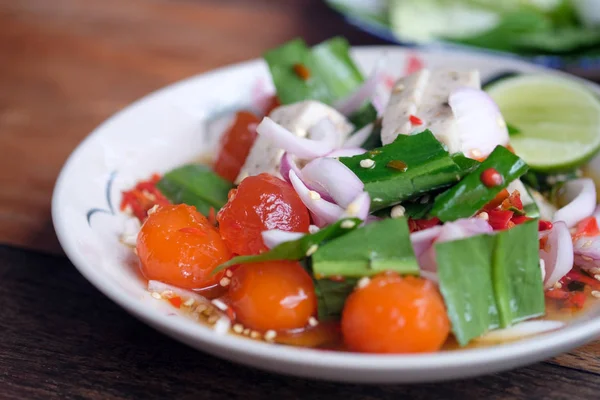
(558,120)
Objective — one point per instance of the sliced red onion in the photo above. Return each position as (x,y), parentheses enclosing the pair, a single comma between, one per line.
(349,152)
(287,164)
(480,124)
(520,330)
(557,254)
(364,93)
(459,229)
(359,137)
(423,240)
(325,131)
(359,207)
(581,195)
(324,211)
(372,218)
(274,237)
(301,147)
(587,253)
(329,176)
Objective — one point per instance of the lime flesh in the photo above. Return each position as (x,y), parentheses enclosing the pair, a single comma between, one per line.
(558,120)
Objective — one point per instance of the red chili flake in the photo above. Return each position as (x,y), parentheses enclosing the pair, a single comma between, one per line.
(211,217)
(413,64)
(500,219)
(302,71)
(415,225)
(176,301)
(193,231)
(519,219)
(143,197)
(558,294)
(543,243)
(337,278)
(544,225)
(576,300)
(587,227)
(491,177)
(397,165)
(415,120)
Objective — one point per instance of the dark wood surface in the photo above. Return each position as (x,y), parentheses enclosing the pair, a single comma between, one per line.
(66,65)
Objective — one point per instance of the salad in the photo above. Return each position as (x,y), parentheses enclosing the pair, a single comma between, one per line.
(527,27)
(381,215)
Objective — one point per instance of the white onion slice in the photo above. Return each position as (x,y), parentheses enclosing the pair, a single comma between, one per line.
(581,195)
(286,140)
(422,240)
(557,254)
(324,211)
(359,207)
(459,229)
(359,137)
(325,132)
(479,122)
(354,101)
(349,152)
(274,237)
(287,164)
(329,176)
(520,330)
(587,253)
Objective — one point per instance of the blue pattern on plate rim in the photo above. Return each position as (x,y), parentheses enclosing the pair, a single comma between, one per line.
(110,210)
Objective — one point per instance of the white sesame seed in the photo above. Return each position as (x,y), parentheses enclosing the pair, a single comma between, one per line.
(246,331)
(364,281)
(587,244)
(352,209)
(398,211)
(377,200)
(254,335)
(189,302)
(311,250)
(476,153)
(597,277)
(222,325)
(228,273)
(313,229)
(557,285)
(225,281)
(596,293)
(156,295)
(167,293)
(128,209)
(484,216)
(238,328)
(367,163)
(220,305)
(270,335)
(398,88)
(212,319)
(595,270)
(201,308)
(586,258)
(347,224)
(153,209)
(314,195)
(312,321)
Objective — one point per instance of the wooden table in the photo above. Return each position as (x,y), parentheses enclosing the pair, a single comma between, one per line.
(66,65)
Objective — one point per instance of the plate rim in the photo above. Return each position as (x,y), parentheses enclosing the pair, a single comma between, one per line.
(228,346)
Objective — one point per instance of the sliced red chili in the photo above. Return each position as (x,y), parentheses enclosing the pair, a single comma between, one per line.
(176,301)
(491,177)
(519,219)
(415,120)
(500,219)
(143,197)
(544,225)
(587,227)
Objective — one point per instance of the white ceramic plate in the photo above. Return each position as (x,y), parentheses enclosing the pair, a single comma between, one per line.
(168,128)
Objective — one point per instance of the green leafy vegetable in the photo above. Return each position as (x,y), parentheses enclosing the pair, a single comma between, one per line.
(512,130)
(374,248)
(465,278)
(429,167)
(331,296)
(297,249)
(491,281)
(290,87)
(470,195)
(195,185)
(518,286)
